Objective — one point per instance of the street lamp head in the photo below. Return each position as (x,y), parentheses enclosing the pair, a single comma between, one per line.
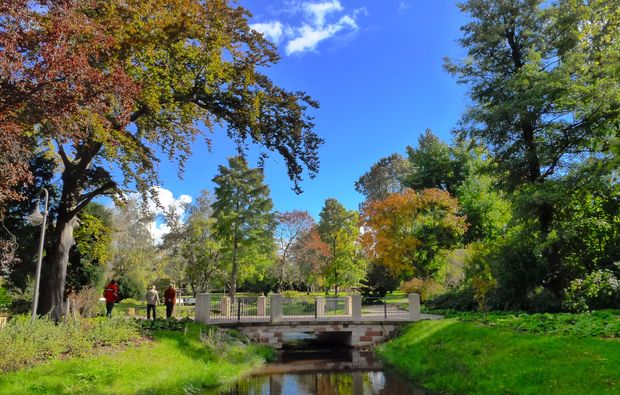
(36,218)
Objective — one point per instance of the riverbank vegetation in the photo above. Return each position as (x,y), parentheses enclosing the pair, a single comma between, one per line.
(456,357)
(197,359)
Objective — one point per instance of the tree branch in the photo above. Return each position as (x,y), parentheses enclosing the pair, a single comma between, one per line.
(88,197)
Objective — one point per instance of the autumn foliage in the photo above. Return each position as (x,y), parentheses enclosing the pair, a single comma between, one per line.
(405,230)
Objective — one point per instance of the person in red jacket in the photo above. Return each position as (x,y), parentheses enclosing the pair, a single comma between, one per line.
(110,293)
(170,298)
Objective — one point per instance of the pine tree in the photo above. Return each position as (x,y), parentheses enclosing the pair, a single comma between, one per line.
(245,222)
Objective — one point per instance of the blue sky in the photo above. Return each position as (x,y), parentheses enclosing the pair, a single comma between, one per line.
(375,66)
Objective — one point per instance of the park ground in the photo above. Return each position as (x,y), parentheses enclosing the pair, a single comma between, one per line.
(527,354)
(164,362)
(463,353)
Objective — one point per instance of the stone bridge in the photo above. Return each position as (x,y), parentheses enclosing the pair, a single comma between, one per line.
(343,333)
(278,321)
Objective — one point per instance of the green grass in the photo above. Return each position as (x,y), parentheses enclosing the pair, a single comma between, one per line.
(172,363)
(451,356)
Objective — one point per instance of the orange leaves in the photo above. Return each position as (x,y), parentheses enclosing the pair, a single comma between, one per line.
(405,230)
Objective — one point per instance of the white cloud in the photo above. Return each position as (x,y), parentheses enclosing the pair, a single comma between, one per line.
(403,7)
(321,20)
(271,30)
(167,202)
(318,11)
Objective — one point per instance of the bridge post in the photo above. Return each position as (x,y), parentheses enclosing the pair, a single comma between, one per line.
(356,307)
(319,309)
(276,308)
(225,306)
(203,308)
(414,307)
(261,306)
(347,306)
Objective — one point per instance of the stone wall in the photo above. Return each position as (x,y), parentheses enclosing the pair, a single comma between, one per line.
(363,335)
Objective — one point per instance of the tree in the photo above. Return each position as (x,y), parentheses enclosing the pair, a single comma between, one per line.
(244,221)
(117,87)
(291,227)
(93,248)
(405,231)
(136,260)
(339,230)
(192,245)
(384,177)
(544,83)
(311,255)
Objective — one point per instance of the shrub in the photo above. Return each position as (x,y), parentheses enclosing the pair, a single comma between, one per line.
(128,287)
(25,342)
(171,324)
(599,289)
(598,323)
(542,300)
(86,302)
(427,288)
(459,299)
(5,300)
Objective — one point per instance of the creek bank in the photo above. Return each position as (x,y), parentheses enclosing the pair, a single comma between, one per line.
(451,356)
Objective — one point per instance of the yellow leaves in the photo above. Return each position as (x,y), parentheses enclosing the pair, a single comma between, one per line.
(401,229)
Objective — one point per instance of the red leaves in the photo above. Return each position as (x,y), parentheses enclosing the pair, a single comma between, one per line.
(56,75)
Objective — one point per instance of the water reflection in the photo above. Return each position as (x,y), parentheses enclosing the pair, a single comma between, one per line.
(333,372)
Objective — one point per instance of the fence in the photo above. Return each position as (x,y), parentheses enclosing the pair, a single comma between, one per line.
(246,309)
(278,309)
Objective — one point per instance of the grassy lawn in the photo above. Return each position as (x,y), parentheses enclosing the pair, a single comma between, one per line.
(171,363)
(470,357)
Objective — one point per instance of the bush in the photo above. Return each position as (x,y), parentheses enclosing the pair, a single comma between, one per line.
(129,288)
(86,302)
(598,323)
(5,300)
(25,342)
(599,289)
(459,299)
(427,288)
(170,324)
(542,300)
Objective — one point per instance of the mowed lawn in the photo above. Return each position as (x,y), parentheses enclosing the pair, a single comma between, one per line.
(468,357)
(170,363)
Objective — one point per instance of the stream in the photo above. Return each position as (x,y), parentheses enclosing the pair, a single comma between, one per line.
(333,371)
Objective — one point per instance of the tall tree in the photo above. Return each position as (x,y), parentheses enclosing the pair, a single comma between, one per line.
(435,164)
(244,220)
(110,88)
(384,177)
(194,253)
(339,229)
(291,227)
(405,231)
(544,85)
(311,255)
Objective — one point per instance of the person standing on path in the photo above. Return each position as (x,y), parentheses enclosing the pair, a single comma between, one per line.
(152,300)
(170,298)
(110,293)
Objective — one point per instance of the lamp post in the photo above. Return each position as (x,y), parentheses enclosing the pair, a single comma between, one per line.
(36,219)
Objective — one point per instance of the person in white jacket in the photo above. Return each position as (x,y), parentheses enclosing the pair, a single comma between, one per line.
(152,300)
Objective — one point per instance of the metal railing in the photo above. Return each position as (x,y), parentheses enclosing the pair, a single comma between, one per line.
(242,309)
(385,307)
(221,309)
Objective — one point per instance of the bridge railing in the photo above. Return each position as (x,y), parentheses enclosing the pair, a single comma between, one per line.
(278,309)
(386,308)
(240,309)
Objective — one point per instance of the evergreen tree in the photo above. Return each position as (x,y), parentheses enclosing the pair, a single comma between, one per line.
(339,229)
(244,220)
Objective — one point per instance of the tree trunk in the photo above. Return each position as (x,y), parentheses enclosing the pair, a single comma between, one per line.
(233,275)
(52,295)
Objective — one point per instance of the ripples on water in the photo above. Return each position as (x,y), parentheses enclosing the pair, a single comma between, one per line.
(327,372)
